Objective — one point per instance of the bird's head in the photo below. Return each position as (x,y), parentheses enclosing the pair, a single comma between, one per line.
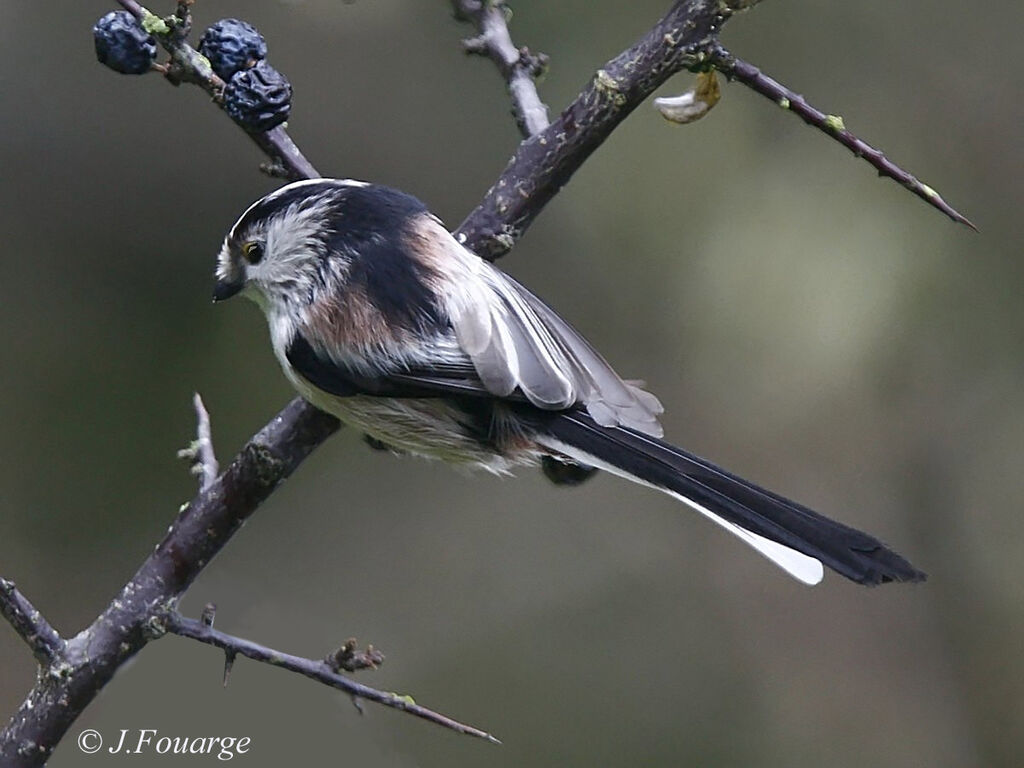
(279,252)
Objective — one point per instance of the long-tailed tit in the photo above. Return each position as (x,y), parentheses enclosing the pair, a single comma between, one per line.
(381,317)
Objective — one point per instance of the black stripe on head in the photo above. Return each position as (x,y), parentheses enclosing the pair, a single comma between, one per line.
(284,198)
(371,227)
(374,209)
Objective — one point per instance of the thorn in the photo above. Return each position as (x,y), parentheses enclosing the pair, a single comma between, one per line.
(358,704)
(229,662)
(208,615)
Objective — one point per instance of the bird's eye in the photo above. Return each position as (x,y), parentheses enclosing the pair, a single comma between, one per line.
(253,252)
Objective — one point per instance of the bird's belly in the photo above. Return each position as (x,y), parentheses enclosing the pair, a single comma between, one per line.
(482,435)
(434,428)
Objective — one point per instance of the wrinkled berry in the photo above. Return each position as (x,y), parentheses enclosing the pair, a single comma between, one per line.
(122,44)
(231,46)
(259,98)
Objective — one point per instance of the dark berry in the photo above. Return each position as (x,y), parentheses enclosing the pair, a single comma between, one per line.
(259,98)
(122,44)
(231,46)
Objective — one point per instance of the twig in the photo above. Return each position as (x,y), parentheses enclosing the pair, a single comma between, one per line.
(183,12)
(518,66)
(315,670)
(832,125)
(209,468)
(187,65)
(209,521)
(229,664)
(132,619)
(541,166)
(47,646)
(544,163)
(200,453)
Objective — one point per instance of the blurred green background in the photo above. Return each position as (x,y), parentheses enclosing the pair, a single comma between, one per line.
(808,325)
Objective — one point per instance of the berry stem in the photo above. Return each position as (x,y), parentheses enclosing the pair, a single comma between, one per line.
(189,66)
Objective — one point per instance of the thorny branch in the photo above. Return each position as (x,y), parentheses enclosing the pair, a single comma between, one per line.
(685,38)
(544,163)
(87,662)
(518,66)
(753,78)
(321,671)
(73,671)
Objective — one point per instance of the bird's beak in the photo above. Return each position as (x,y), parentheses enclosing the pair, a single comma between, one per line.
(225,288)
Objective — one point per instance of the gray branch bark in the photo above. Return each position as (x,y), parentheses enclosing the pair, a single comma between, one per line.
(518,66)
(73,671)
(544,163)
(146,604)
(832,125)
(319,670)
(89,660)
(46,645)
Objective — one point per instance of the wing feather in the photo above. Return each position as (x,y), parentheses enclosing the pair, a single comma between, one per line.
(516,342)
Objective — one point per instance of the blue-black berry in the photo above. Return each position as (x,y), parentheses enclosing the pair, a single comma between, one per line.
(122,44)
(259,98)
(231,46)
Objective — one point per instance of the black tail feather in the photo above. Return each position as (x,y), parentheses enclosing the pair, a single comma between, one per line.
(852,553)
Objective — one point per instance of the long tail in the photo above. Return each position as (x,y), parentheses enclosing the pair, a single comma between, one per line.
(792,536)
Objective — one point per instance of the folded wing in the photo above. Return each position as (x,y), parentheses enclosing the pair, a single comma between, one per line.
(516,342)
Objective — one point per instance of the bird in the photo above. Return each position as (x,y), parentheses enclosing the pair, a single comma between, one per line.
(382,317)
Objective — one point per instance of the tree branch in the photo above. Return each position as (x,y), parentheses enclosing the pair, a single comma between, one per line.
(187,65)
(133,618)
(145,607)
(86,663)
(832,125)
(544,163)
(313,669)
(518,66)
(541,166)
(47,646)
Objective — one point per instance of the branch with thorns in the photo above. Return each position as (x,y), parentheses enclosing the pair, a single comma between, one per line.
(74,670)
(832,125)
(325,671)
